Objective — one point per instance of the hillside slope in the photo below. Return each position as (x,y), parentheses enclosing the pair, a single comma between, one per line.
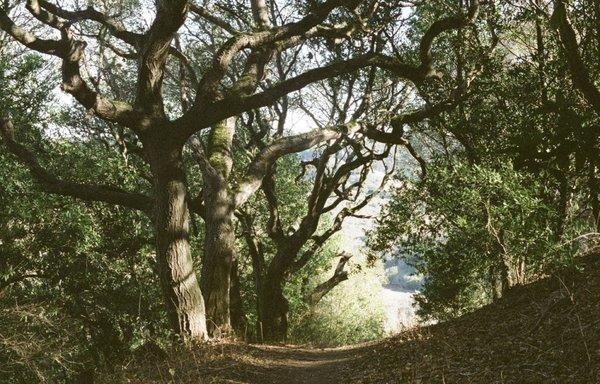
(545,332)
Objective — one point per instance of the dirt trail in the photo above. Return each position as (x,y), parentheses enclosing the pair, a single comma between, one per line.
(308,366)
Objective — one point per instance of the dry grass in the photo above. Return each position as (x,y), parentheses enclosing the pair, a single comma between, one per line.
(35,344)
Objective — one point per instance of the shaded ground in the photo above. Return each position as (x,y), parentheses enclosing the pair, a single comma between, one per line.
(546,332)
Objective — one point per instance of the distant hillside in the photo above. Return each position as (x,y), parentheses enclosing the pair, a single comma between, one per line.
(401,276)
(545,332)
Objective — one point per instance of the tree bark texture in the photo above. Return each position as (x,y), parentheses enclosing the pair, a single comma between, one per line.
(236,309)
(183,299)
(274,310)
(219,239)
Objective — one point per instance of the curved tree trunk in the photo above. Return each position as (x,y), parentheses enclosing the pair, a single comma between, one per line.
(274,307)
(183,299)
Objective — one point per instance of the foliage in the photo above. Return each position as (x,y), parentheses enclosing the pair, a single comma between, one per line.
(351,313)
(511,191)
(466,228)
(77,280)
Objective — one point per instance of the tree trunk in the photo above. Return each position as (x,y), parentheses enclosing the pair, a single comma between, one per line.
(258,274)
(499,280)
(183,298)
(238,317)
(219,250)
(274,306)
(219,239)
(274,310)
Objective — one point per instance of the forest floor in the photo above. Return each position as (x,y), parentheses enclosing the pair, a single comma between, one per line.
(544,332)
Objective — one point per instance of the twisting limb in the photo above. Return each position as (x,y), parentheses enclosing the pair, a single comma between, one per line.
(71,52)
(115,28)
(90,13)
(210,16)
(281,147)
(456,96)
(170,16)
(212,105)
(52,184)
(253,242)
(318,241)
(274,227)
(441,26)
(33,6)
(274,38)
(260,13)
(339,275)
(211,79)
(200,156)
(577,68)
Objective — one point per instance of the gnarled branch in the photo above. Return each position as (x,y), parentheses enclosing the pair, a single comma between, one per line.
(324,288)
(71,52)
(259,167)
(579,72)
(52,184)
